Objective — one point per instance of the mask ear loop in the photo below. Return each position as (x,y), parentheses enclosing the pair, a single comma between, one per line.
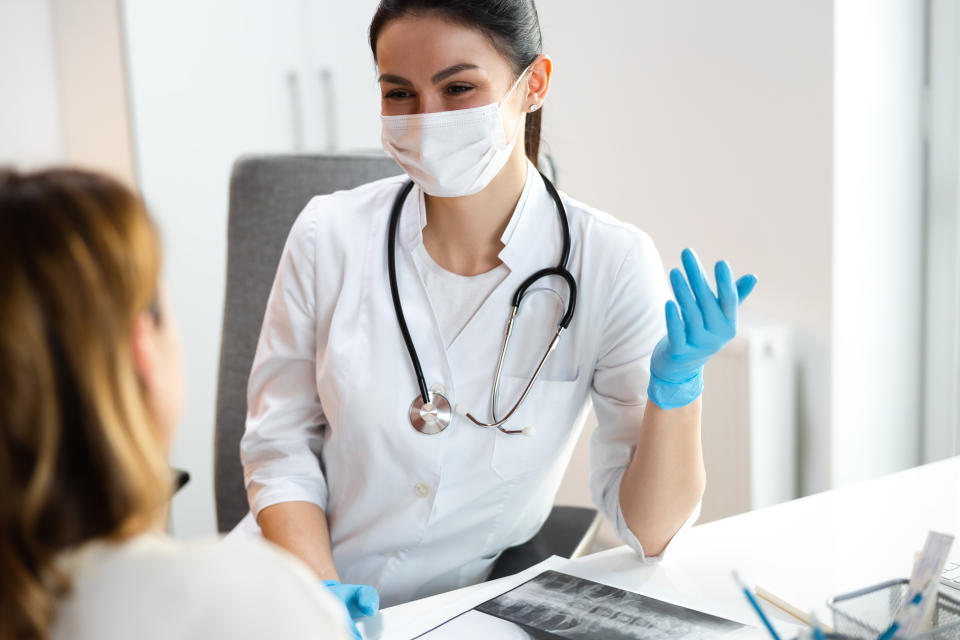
(516,131)
(515,83)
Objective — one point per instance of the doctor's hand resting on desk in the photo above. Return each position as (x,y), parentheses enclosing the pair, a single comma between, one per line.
(432,340)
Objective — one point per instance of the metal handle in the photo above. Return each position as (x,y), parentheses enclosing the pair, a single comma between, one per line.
(329,109)
(296,111)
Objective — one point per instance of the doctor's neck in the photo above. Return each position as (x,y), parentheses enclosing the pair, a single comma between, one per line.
(463,234)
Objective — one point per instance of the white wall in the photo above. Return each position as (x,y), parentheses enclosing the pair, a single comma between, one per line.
(63,86)
(784,136)
(877,237)
(710,125)
(93,89)
(30,131)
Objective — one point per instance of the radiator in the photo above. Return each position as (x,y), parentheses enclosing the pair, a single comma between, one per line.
(750,422)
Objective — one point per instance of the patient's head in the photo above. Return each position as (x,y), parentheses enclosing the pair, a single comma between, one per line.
(90,388)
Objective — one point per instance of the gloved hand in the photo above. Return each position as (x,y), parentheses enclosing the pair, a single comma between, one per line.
(701,326)
(360,600)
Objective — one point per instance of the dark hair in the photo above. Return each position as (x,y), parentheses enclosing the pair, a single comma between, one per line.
(511,25)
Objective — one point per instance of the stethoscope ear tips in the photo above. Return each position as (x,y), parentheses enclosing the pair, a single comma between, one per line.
(529,431)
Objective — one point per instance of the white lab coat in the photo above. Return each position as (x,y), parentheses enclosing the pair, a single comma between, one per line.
(331,384)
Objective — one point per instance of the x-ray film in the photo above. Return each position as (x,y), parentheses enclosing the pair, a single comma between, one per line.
(557,606)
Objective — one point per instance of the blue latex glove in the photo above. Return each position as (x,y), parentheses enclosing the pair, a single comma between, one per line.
(701,326)
(359,600)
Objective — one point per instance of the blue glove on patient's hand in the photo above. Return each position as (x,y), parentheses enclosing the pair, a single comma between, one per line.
(360,600)
(701,326)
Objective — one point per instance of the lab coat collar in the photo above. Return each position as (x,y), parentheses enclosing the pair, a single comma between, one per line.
(519,236)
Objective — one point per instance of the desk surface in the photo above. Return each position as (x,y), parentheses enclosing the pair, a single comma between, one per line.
(806,550)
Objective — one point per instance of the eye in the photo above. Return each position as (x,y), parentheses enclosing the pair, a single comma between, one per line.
(459,89)
(397,94)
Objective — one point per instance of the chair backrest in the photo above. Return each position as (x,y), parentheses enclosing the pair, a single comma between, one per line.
(266,194)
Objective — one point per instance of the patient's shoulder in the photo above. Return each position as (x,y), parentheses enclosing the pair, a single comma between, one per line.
(154,587)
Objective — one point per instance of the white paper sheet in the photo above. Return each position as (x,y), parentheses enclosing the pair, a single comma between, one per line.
(371,630)
(460,620)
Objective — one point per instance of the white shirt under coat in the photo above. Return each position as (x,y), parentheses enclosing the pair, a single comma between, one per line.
(331,384)
(455,298)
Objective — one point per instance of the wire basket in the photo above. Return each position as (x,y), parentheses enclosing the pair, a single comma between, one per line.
(869,612)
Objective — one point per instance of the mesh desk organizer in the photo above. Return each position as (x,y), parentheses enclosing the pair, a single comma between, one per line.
(867,613)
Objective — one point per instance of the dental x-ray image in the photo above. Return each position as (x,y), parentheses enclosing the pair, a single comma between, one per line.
(557,606)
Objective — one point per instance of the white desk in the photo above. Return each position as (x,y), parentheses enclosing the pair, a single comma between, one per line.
(806,550)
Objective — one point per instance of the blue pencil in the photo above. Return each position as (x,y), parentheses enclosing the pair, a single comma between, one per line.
(756,606)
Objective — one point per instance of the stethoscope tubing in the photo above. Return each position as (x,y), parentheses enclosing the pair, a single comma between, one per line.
(560,270)
(395,290)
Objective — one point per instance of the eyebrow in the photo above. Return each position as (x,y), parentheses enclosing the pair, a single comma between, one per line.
(437,77)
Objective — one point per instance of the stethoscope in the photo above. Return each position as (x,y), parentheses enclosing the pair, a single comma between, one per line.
(430,411)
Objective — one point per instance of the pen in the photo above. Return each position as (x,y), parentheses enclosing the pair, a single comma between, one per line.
(809,619)
(783,605)
(817,627)
(756,606)
(907,611)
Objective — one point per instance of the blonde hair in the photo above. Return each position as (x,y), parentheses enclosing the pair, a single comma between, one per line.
(79,455)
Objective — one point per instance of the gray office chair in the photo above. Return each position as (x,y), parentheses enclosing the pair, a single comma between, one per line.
(266,194)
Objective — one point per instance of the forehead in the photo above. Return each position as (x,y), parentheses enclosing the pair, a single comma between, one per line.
(427,44)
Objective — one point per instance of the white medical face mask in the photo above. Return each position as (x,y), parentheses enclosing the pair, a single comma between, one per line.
(451,153)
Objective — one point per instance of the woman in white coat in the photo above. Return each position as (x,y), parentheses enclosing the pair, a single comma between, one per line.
(334,469)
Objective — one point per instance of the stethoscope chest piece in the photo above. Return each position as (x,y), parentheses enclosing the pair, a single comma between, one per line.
(431,418)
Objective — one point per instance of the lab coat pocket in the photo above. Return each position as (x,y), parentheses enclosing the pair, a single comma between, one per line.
(550,410)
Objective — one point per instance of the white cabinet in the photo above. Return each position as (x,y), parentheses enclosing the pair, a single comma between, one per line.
(340,78)
(208,82)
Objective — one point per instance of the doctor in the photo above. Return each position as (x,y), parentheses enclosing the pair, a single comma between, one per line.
(368,476)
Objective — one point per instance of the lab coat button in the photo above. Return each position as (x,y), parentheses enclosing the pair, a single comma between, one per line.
(421,490)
